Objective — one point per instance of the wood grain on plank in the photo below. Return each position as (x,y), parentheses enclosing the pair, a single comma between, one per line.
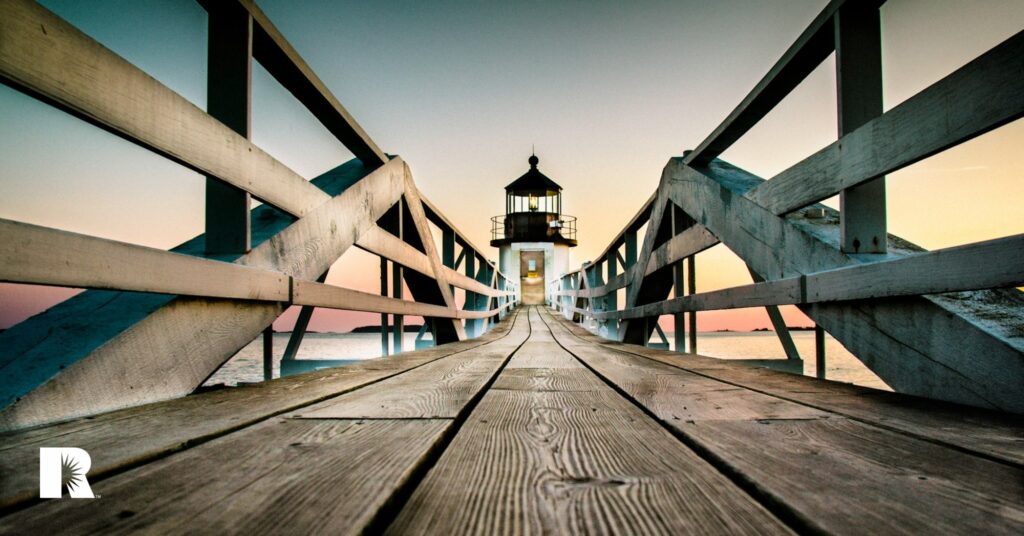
(989,433)
(542,354)
(281,476)
(128,437)
(553,379)
(847,477)
(440,389)
(542,461)
(838,475)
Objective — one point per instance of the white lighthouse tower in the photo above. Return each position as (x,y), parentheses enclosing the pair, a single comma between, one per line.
(533,237)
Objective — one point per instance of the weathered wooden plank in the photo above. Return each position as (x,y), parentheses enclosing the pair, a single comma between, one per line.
(986,93)
(408,446)
(419,220)
(33,254)
(982,432)
(385,244)
(435,391)
(542,461)
(615,282)
(137,435)
(44,55)
(542,354)
(672,393)
(553,379)
(479,315)
(441,389)
(583,461)
(173,349)
(779,292)
(690,242)
(990,434)
(940,271)
(72,329)
(888,335)
(285,64)
(861,477)
(280,476)
(981,265)
(844,477)
(332,297)
(380,242)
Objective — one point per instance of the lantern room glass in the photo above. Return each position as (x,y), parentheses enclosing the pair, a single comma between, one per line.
(533,203)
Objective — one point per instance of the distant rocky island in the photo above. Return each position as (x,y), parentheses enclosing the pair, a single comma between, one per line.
(790,328)
(409,328)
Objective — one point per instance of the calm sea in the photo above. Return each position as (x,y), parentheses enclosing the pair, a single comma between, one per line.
(247,365)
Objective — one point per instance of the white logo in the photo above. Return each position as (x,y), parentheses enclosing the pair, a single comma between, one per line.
(64,467)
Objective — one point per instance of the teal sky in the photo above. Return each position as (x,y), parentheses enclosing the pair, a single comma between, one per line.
(606,91)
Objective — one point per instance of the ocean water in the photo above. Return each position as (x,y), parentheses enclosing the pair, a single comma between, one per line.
(840,364)
(247,365)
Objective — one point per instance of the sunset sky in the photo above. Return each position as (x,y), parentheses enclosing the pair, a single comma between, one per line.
(606,91)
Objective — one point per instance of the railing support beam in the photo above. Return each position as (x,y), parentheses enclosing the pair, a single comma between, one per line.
(228,99)
(396,287)
(859,86)
(691,283)
(819,352)
(383,316)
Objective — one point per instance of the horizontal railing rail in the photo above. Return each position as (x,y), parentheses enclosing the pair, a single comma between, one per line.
(373,205)
(896,307)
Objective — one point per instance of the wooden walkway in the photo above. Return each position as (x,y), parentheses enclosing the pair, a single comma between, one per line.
(535,427)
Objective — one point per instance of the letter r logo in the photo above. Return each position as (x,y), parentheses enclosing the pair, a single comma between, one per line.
(64,467)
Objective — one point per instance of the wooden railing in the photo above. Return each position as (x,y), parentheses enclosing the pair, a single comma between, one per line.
(883,298)
(282,250)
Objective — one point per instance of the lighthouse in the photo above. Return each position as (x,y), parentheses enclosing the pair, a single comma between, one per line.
(533,237)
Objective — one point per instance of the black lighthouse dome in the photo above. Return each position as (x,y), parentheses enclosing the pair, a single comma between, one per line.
(533,205)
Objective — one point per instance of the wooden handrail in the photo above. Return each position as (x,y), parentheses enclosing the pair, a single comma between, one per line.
(952,269)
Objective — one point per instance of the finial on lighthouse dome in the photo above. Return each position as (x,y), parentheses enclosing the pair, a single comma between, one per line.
(533,160)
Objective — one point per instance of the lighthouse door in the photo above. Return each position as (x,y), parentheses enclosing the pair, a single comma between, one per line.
(531,276)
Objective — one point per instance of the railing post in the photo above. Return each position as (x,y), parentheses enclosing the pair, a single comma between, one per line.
(678,319)
(611,300)
(228,99)
(299,330)
(268,353)
(470,302)
(448,249)
(631,251)
(383,316)
(858,40)
(691,277)
(398,332)
(819,352)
